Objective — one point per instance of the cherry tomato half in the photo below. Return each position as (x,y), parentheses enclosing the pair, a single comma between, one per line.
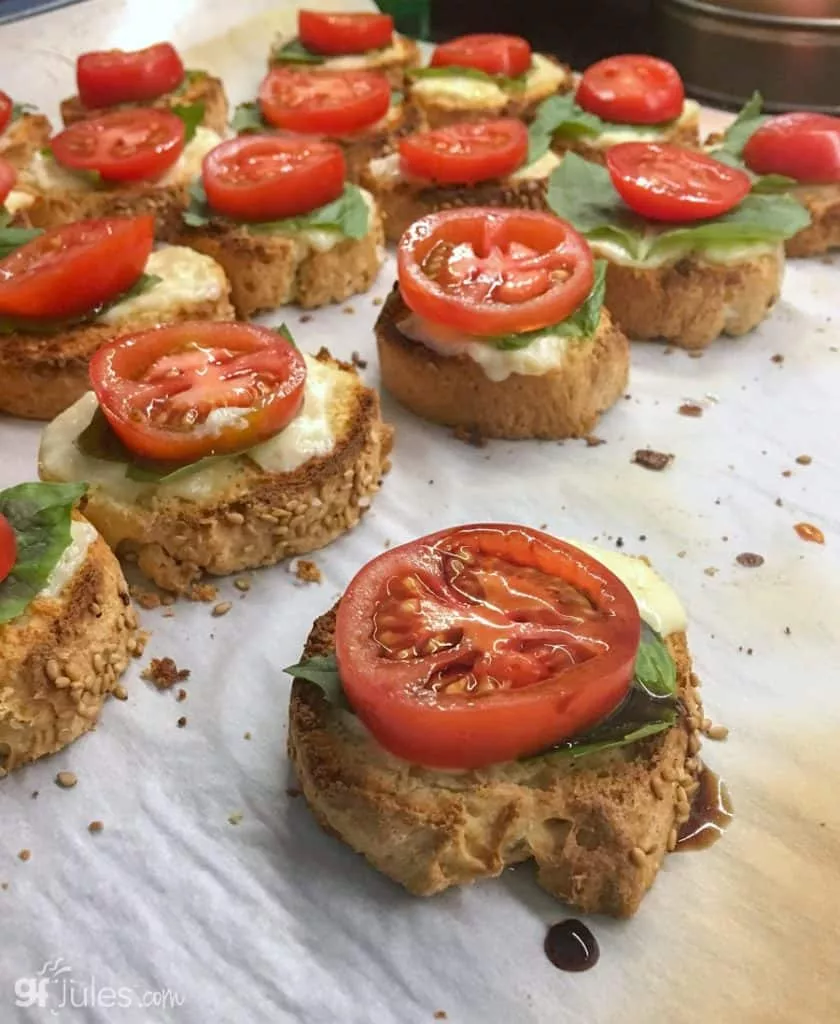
(489,52)
(492,272)
(335,34)
(267,177)
(8,177)
(484,643)
(663,182)
(72,269)
(802,146)
(122,145)
(324,102)
(632,89)
(6,109)
(162,389)
(8,547)
(462,154)
(107,77)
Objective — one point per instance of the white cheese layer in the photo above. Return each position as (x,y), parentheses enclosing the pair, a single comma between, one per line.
(397,51)
(387,170)
(309,434)
(639,133)
(545,76)
(459,90)
(188,278)
(544,354)
(82,535)
(539,169)
(324,239)
(726,255)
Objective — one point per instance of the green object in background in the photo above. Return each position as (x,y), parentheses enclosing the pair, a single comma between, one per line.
(411,17)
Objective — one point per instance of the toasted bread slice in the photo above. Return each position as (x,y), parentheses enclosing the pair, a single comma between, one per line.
(42,374)
(198,87)
(393,61)
(236,514)
(64,655)
(685,132)
(362,147)
(403,200)
(307,268)
(442,101)
(823,233)
(691,302)
(23,138)
(455,390)
(598,827)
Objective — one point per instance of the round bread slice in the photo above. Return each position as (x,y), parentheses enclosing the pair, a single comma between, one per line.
(455,390)
(62,658)
(598,827)
(691,302)
(823,233)
(235,515)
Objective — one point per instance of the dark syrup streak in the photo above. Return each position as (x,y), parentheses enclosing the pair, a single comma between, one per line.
(711,812)
(571,946)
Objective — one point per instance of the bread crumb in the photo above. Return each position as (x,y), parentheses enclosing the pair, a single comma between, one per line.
(147,599)
(804,460)
(235,818)
(95,826)
(203,592)
(357,361)
(787,472)
(120,692)
(242,584)
(440,1015)
(469,435)
(164,673)
(181,696)
(777,358)
(690,409)
(4,886)
(182,721)
(306,318)
(307,572)
(221,609)
(66,780)
(710,571)
(34,794)
(293,792)
(749,559)
(24,854)
(809,532)
(378,300)
(349,310)
(246,736)
(651,459)
(592,441)
(167,600)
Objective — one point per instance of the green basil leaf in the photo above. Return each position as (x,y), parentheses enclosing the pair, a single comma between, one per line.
(748,121)
(198,212)
(581,324)
(13,238)
(284,332)
(322,670)
(560,115)
(347,215)
(19,109)
(40,515)
(585,747)
(247,118)
(583,194)
(191,76)
(655,671)
(760,182)
(294,52)
(397,97)
(192,114)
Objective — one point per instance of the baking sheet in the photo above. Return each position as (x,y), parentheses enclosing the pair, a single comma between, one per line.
(271,920)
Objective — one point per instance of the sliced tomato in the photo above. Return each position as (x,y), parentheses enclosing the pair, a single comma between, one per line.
(73,269)
(632,89)
(463,154)
(266,177)
(492,272)
(8,177)
(324,102)
(489,52)
(8,547)
(122,145)
(6,110)
(802,146)
(187,390)
(484,643)
(663,182)
(335,34)
(107,77)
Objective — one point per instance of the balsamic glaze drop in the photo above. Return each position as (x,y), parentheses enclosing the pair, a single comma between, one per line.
(711,812)
(571,946)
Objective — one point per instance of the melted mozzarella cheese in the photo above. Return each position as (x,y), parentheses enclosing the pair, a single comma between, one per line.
(721,254)
(637,133)
(188,278)
(459,90)
(397,51)
(539,169)
(82,535)
(544,354)
(545,76)
(188,164)
(324,239)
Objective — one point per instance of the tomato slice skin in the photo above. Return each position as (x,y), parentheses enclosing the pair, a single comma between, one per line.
(8,548)
(73,269)
(8,177)
(158,387)
(463,154)
(122,145)
(6,108)
(107,77)
(491,52)
(269,177)
(666,183)
(490,272)
(632,89)
(335,34)
(324,102)
(484,643)
(799,145)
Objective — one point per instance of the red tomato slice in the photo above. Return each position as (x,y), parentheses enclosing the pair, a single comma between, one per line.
(484,643)
(663,182)
(122,145)
(161,388)
(802,146)
(463,154)
(632,89)
(324,102)
(8,547)
(73,269)
(489,52)
(6,109)
(8,177)
(266,177)
(491,272)
(335,34)
(107,77)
